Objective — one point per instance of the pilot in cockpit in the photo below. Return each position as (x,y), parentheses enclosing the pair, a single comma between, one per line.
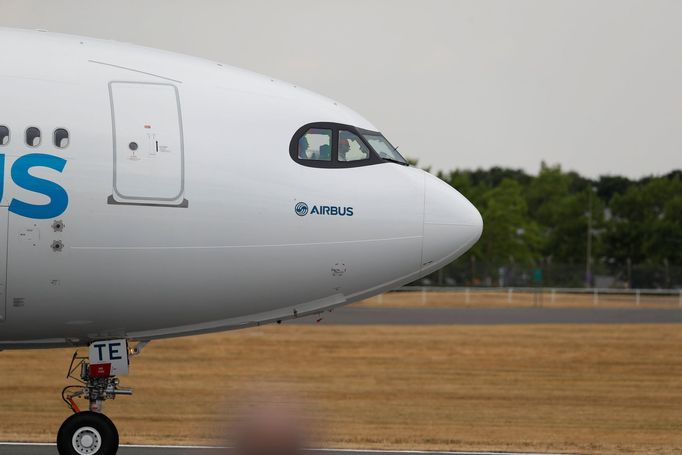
(344,148)
(303,148)
(325,152)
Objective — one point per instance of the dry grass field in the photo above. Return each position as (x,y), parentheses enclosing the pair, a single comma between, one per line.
(493,299)
(590,389)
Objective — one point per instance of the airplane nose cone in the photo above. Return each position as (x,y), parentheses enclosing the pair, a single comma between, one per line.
(452,224)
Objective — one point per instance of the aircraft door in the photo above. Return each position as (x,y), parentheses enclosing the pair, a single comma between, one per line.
(149,165)
(4,221)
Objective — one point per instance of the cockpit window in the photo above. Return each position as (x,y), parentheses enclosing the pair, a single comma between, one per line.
(316,144)
(335,145)
(351,147)
(384,148)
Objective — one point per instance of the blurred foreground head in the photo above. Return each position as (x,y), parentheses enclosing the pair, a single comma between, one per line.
(268,430)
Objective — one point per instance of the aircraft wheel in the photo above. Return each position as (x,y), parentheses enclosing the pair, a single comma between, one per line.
(87,433)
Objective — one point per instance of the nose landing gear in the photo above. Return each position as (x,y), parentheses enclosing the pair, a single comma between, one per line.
(91,432)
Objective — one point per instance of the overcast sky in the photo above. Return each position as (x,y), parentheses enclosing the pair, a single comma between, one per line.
(593,85)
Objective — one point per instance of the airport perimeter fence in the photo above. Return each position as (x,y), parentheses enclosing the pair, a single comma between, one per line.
(535,296)
(469,272)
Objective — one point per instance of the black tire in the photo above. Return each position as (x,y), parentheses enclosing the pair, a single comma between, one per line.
(96,433)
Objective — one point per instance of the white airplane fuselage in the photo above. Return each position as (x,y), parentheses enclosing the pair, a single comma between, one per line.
(171,209)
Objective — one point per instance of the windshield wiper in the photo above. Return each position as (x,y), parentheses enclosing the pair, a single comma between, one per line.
(394,161)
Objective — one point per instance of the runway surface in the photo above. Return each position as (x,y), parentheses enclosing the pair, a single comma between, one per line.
(51,449)
(444,316)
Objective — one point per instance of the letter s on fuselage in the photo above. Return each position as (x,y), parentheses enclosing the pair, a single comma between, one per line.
(21,176)
(176,206)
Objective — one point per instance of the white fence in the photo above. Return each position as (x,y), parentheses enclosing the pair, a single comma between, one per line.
(548,296)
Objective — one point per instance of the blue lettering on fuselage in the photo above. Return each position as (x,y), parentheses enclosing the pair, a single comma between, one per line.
(331,210)
(22,177)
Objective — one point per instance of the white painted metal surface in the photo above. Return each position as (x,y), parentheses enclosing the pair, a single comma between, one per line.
(113,353)
(200,235)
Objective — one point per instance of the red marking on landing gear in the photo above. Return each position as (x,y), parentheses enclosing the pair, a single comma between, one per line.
(100,370)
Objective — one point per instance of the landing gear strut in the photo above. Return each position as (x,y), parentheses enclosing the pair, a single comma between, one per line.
(91,432)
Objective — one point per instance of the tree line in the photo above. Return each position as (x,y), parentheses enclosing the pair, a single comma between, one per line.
(537,228)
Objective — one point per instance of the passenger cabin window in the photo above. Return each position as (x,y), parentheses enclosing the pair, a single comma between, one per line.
(316,145)
(351,147)
(61,138)
(32,136)
(4,135)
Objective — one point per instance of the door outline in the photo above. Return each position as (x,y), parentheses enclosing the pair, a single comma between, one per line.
(111,200)
(4,216)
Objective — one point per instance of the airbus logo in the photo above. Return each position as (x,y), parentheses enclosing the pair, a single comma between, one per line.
(302,209)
